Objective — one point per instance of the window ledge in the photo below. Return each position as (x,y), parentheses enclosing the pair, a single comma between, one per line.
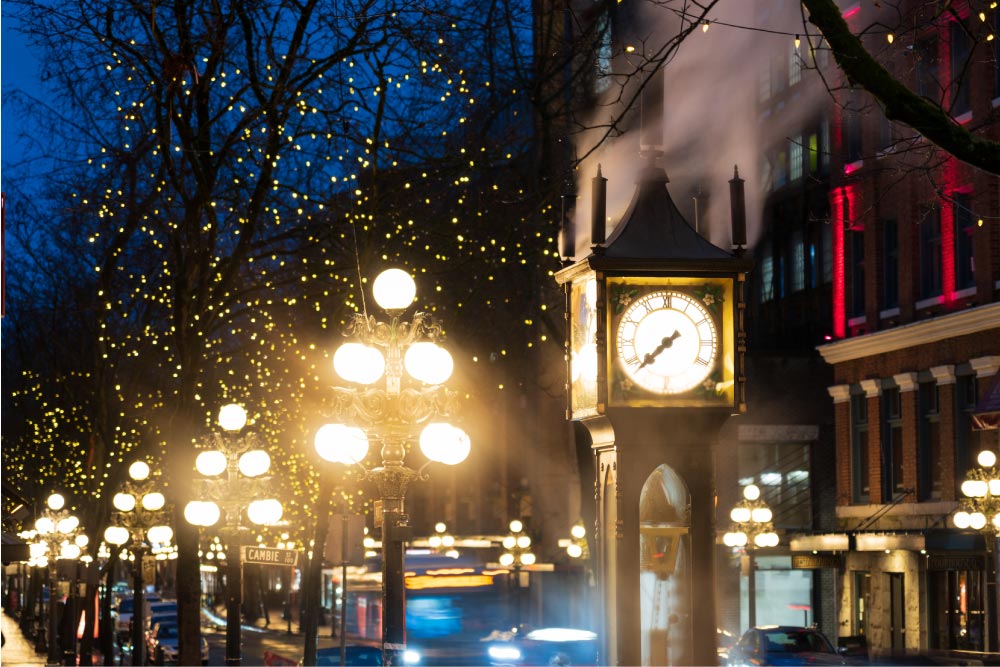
(964,293)
(857,321)
(930,302)
(890,312)
(964,118)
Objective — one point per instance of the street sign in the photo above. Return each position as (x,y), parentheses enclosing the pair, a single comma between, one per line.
(269,556)
(345,540)
(815,561)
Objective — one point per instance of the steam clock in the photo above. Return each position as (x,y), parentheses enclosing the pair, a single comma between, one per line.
(655,345)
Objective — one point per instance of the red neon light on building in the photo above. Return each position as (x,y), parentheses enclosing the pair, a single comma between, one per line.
(839,298)
(949,177)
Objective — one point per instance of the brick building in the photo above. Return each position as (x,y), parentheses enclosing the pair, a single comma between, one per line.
(915,240)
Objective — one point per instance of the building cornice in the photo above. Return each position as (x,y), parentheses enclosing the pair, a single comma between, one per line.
(974,320)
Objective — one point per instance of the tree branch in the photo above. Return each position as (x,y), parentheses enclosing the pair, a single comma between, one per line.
(900,103)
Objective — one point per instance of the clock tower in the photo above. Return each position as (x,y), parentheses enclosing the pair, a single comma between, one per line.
(655,345)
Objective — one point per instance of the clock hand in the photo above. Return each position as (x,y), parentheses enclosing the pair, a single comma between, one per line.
(664,344)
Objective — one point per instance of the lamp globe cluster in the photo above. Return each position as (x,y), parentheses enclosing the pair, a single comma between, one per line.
(981,489)
(235,456)
(751,519)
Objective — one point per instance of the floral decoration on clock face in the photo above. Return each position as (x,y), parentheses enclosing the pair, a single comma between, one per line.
(667,340)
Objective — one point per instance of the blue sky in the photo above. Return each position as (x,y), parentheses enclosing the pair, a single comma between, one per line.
(18,70)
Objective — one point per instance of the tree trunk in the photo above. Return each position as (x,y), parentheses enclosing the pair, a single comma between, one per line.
(309,621)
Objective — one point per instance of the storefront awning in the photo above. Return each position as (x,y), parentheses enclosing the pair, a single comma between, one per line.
(888,542)
(987,414)
(826,542)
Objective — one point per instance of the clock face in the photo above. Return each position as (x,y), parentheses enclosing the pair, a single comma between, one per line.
(667,342)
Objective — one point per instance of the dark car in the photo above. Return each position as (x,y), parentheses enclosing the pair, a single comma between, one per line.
(785,645)
(162,645)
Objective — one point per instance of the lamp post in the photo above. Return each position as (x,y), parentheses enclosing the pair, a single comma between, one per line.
(137,509)
(56,525)
(980,510)
(751,529)
(410,407)
(517,553)
(234,467)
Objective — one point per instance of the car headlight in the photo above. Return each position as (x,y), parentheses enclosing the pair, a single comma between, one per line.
(504,652)
(411,657)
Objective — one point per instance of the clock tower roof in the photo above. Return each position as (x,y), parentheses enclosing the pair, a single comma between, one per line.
(653,228)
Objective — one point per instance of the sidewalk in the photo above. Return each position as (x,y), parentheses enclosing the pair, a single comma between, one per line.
(17,651)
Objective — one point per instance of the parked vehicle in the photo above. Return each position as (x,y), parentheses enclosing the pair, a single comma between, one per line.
(785,645)
(162,645)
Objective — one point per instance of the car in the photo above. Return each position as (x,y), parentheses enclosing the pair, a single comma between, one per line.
(122,614)
(354,654)
(543,646)
(160,611)
(785,645)
(162,645)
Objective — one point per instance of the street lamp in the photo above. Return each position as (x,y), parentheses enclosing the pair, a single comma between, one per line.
(980,510)
(408,409)
(235,467)
(442,542)
(57,528)
(137,510)
(752,529)
(517,553)
(576,544)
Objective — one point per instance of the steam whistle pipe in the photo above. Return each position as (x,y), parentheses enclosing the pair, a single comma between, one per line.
(599,208)
(738,207)
(567,230)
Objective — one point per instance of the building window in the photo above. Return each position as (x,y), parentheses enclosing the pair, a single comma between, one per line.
(604,54)
(886,133)
(798,262)
(926,55)
(966,438)
(890,264)
(795,152)
(852,125)
(779,169)
(781,469)
(930,252)
(862,596)
(779,276)
(929,454)
(813,153)
(961,50)
(824,145)
(827,246)
(764,83)
(857,273)
(892,443)
(860,489)
(964,262)
(794,66)
(766,278)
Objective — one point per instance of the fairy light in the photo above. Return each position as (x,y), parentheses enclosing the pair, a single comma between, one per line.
(269,344)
